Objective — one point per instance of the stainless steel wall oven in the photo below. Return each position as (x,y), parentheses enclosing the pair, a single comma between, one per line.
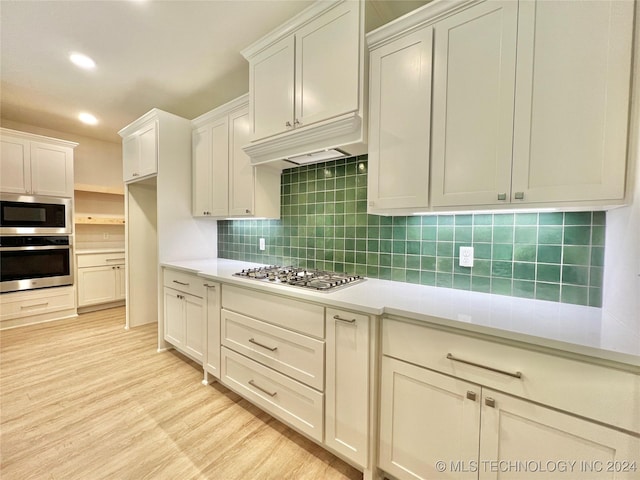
(38,261)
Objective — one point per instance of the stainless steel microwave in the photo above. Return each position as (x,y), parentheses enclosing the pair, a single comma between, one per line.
(34,215)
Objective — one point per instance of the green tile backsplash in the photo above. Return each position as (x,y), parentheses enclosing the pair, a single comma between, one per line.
(324,224)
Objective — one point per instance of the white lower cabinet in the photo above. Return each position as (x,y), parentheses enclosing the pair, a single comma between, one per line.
(184,313)
(101,278)
(436,425)
(212,362)
(34,306)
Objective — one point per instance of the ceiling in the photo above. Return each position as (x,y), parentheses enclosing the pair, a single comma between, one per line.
(181,56)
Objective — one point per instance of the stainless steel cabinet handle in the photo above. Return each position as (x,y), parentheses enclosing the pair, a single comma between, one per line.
(503,372)
(471,395)
(519,196)
(271,349)
(502,196)
(181,283)
(209,285)
(288,124)
(297,122)
(247,211)
(271,394)
(348,320)
(490,402)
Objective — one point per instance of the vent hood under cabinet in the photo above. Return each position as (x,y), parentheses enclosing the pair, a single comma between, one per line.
(306,87)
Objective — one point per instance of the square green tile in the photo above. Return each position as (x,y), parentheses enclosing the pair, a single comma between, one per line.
(445,249)
(413,276)
(463,234)
(482,233)
(550,235)
(598,235)
(524,271)
(502,252)
(596,276)
(524,253)
(429,232)
(577,235)
(428,248)
(549,254)
(462,282)
(576,255)
(399,246)
(445,220)
(525,234)
(548,273)
(431,220)
(595,297)
(526,219)
(503,219)
(577,218)
(463,220)
(398,274)
(524,289)
(575,275)
(482,250)
(414,232)
(482,219)
(413,248)
(428,263)
(548,291)
(428,278)
(481,284)
(444,264)
(501,269)
(599,218)
(502,234)
(482,268)
(445,233)
(444,280)
(574,295)
(413,262)
(399,261)
(501,286)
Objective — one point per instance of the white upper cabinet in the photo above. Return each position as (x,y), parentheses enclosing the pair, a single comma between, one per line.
(140,152)
(473,96)
(32,164)
(306,83)
(225,183)
(400,124)
(572,100)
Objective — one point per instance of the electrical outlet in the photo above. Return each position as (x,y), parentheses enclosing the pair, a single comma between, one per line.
(466,256)
(262,244)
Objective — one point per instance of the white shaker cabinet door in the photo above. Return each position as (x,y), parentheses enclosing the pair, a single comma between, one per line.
(51,170)
(327,65)
(473,96)
(194,341)
(97,285)
(515,430)
(241,171)
(400,112)
(572,100)
(271,82)
(15,166)
(426,418)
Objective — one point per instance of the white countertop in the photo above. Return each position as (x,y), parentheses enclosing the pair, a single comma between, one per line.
(559,326)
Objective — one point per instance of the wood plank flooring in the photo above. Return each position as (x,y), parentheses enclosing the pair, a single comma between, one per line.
(85,399)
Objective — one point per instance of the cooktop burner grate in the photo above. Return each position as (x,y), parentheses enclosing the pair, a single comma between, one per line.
(318,280)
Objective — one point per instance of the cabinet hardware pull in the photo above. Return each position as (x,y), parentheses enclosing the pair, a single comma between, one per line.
(297,122)
(490,402)
(502,196)
(253,384)
(338,317)
(115,259)
(272,349)
(135,174)
(181,283)
(288,124)
(208,285)
(24,307)
(247,211)
(113,268)
(519,195)
(471,395)
(503,372)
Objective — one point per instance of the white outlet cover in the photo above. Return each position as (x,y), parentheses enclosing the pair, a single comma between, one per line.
(262,244)
(466,256)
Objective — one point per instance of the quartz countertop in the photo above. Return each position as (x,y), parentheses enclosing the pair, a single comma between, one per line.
(563,327)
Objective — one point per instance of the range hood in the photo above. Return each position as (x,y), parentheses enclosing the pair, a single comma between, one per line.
(332,139)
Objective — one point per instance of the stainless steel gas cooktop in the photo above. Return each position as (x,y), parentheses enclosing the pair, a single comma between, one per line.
(299,277)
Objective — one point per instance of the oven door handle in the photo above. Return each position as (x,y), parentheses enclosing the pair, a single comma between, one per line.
(38,247)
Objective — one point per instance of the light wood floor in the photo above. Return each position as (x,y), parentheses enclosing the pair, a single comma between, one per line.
(85,399)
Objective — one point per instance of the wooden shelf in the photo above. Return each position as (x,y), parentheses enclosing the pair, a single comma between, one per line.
(98,220)
(83,187)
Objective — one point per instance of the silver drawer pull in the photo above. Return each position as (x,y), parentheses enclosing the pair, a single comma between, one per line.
(181,283)
(208,285)
(348,320)
(271,394)
(272,349)
(503,372)
(490,402)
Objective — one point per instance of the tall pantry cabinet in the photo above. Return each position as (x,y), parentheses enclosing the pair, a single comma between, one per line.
(159,224)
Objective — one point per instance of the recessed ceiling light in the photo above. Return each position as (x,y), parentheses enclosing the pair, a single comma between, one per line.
(82,61)
(88,118)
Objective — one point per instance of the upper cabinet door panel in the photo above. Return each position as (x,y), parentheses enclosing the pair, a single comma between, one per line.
(241,170)
(15,166)
(400,106)
(219,174)
(474,69)
(327,65)
(51,170)
(572,100)
(148,138)
(271,79)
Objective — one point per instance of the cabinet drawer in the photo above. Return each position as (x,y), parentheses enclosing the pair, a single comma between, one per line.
(100,259)
(291,353)
(36,302)
(295,315)
(185,282)
(294,403)
(593,391)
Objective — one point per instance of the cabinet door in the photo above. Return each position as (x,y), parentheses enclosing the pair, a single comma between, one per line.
(271,82)
(426,417)
(212,364)
(473,97)
(130,158)
(121,276)
(15,166)
(51,170)
(241,171)
(201,165)
(211,169)
(174,326)
(514,430)
(347,389)
(96,285)
(327,65)
(572,100)
(400,112)
(148,138)
(194,326)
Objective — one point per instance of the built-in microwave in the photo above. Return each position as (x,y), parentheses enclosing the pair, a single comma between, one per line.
(34,215)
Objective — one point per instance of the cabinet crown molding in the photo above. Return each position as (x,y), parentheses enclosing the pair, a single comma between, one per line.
(153,114)
(37,138)
(224,109)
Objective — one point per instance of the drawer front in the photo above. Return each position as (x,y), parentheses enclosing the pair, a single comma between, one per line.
(294,403)
(100,259)
(302,317)
(288,352)
(593,391)
(36,302)
(184,282)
